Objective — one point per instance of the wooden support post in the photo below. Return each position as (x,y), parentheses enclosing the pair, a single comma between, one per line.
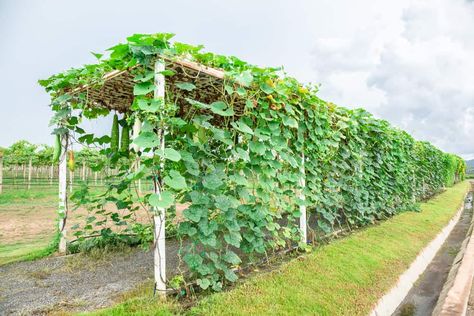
(30,170)
(51,174)
(303,220)
(83,171)
(71,179)
(1,172)
(62,207)
(159,213)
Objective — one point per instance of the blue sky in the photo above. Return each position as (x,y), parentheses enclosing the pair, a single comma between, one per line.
(406,61)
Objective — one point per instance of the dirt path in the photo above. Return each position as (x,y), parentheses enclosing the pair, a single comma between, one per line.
(76,283)
(422,298)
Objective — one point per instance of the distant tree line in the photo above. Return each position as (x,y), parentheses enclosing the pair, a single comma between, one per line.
(27,163)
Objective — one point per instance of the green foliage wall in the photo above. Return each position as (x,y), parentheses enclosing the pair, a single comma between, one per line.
(241,173)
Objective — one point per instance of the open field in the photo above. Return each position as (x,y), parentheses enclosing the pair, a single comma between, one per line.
(28,221)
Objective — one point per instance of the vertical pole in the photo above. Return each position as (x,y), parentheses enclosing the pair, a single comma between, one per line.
(30,169)
(62,209)
(1,172)
(71,179)
(303,224)
(51,174)
(159,213)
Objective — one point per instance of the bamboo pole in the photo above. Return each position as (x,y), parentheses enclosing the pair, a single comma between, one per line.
(51,174)
(159,213)
(83,171)
(71,179)
(1,172)
(30,170)
(62,210)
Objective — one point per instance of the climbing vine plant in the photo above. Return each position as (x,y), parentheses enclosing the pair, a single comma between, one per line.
(235,163)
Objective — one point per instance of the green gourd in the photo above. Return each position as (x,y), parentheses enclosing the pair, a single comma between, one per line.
(125,141)
(114,137)
(57,148)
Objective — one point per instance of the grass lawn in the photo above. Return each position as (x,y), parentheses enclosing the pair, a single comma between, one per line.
(26,222)
(345,277)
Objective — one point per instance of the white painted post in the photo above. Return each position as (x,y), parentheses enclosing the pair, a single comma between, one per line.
(62,209)
(83,171)
(30,169)
(303,221)
(51,174)
(159,213)
(71,179)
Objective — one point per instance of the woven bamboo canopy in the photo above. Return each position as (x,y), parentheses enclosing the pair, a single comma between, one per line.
(115,91)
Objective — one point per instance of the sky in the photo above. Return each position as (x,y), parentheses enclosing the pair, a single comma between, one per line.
(410,62)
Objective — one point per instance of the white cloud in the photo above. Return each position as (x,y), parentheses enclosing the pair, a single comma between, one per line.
(419,76)
(408,61)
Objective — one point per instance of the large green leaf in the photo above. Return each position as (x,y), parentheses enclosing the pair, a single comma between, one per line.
(212,181)
(163,200)
(147,140)
(149,105)
(143,88)
(290,122)
(175,180)
(245,78)
(233,238)
(221,108)
(231,257)
(241,126)
(188,86)
(192,260)
(170,154)
(194,213)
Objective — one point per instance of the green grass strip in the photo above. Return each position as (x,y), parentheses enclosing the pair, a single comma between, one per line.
(345,277)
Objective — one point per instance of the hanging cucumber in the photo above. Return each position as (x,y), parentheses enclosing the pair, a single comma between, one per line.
(114,136)
(57,148)
(125,141)
(71,163)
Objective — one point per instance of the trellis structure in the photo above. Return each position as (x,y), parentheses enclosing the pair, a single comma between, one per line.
(256,149)
(115,92)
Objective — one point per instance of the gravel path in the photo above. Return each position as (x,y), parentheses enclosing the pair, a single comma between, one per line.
(76,282)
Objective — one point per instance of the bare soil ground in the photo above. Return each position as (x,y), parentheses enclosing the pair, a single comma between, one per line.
(26,226)
(76,282)
(68,283)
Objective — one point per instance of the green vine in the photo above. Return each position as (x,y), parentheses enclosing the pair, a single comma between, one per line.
(239,173)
